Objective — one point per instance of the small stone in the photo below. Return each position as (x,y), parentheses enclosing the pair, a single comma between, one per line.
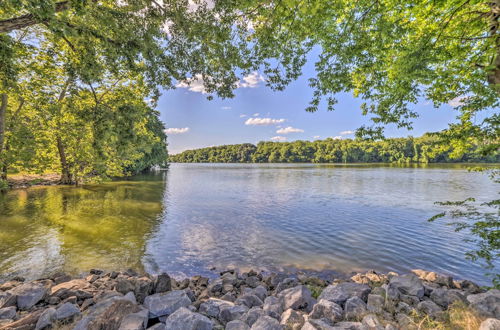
(163,283)
(403,307)
(292,320)
(46,318)
(237,325)
(184,319)
(67,311)
(229,297)
(355,308)
(161,304)
(490,324)
(267,323)
(316,325)
(8,312)
(326,309)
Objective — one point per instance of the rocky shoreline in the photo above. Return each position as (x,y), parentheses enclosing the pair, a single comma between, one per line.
(243,301)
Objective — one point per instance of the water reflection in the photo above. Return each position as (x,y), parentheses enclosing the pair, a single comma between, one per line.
(50,228)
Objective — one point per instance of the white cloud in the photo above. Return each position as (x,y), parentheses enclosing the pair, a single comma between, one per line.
(226,108)
(243,116)
(278,138)
(338,137)
(457,101)
(346,132)
(263,121)
(316,137)
(251,81)
(177,130)
(256,114)
(196,84)
(289,129)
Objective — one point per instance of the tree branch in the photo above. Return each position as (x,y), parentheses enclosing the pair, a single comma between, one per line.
(27,20)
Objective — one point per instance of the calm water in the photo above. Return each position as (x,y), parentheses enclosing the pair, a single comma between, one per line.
(198,216)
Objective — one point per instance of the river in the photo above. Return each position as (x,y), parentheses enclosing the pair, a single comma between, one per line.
(199,218)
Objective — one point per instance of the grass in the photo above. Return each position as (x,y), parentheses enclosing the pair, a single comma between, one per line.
(315,290)
(458,317)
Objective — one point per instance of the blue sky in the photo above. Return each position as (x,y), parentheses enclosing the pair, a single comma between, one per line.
(193,122)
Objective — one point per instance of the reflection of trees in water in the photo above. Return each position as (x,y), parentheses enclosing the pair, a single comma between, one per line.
(104,226)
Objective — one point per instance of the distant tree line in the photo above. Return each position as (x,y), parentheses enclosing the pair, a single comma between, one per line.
(425,149)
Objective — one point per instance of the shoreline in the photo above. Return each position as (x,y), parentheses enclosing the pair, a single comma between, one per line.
(249,300)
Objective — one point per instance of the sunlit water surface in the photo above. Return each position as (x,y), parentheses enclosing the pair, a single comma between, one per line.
(197,217)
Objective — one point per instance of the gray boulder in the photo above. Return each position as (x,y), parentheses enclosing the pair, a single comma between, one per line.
(184,319)
(228,314)
(355,308)
(212,306)
(157,326)
(273,307)
(237,325)
(29,294)
(253,315)
(7,299)
(430,308)
(107,313)
(298,297)
(67,311)
(339,293)
(292,320)
(444,297)
(162,283)
(249,300)
(164,304)
(349,326)
(46,318)
(371,322)
(316,325)
(287,283)
(408,284)
(266,323)
(326,309)
(487,304)
(135,321)
(260,292)
(8,312)
(490,324)
(375,303)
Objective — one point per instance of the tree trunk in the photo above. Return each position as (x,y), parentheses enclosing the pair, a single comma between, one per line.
(494,74)
(3,160)
(65,172)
